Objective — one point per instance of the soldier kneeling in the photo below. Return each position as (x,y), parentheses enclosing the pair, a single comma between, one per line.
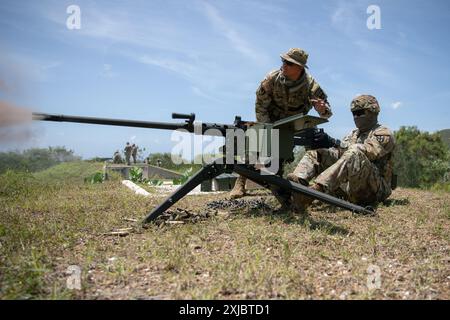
(360,168)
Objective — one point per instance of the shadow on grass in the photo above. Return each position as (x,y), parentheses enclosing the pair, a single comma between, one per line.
(322,225)
(312,224)
(396,202)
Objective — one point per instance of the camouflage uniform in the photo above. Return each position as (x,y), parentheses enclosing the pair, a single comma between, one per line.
(127,153)
(134,150)
(117,158)
(361,168)
(278,98)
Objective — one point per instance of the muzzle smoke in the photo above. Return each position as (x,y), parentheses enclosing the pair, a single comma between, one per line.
(15,121)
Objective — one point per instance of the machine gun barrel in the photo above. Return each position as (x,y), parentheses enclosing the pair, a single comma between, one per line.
(111,122)
(188,125)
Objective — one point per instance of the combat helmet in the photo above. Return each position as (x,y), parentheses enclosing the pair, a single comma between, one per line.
(365,102)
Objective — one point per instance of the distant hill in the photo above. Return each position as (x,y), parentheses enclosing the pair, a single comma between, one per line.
(74,171)
(445,134)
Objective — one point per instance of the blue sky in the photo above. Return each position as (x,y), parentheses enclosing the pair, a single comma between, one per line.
(145,59)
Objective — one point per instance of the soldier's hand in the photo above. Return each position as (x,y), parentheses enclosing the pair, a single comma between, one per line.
(323,140)
(320,105)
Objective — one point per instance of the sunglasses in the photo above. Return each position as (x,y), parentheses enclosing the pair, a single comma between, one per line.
(288,63)
(358,113)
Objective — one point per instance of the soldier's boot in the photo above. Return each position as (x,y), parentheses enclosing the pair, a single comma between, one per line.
(239,188)
(309,200)
(297,199)
(294,178)
(301,202)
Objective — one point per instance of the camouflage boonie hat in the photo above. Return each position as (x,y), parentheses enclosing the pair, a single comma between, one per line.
(297,56)
(365,102)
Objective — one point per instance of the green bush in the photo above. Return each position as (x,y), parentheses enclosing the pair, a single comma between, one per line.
(184,177)
(422,160)
(155,182)
(94,178)
(136,175)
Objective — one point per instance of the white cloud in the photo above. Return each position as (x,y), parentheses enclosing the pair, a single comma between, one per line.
(118,26)
(167,42)
(396,104)
(186,69)
(237,41)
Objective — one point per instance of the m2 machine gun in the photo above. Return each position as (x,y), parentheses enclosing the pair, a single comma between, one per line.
(273,140)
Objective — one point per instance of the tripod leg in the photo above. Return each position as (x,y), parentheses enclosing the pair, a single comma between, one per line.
(207,172)
(284,184)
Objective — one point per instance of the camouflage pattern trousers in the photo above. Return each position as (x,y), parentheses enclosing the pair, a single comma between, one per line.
(352,176)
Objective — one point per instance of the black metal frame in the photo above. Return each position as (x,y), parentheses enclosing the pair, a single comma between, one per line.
(249,171)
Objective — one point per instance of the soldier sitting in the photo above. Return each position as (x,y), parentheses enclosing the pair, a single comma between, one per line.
(360,167)
(117,158)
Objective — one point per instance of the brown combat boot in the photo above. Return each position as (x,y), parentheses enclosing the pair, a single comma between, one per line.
(292,177)
(239,188)
(301,202)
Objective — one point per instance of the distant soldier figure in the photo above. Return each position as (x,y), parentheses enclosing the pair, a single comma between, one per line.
(127,153)
(360,168)
(117,157)
(134,150)
(285,92)
(159,162)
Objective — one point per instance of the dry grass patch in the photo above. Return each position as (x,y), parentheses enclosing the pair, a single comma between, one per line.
(240,255)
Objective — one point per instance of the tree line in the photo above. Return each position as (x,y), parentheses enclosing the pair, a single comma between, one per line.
(422,159)
(35,159)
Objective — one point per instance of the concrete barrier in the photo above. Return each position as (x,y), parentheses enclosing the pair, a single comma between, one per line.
(148,171)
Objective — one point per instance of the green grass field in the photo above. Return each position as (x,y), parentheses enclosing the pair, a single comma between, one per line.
(53,219)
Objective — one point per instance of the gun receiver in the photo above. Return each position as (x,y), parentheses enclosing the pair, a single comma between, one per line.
(305,137)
